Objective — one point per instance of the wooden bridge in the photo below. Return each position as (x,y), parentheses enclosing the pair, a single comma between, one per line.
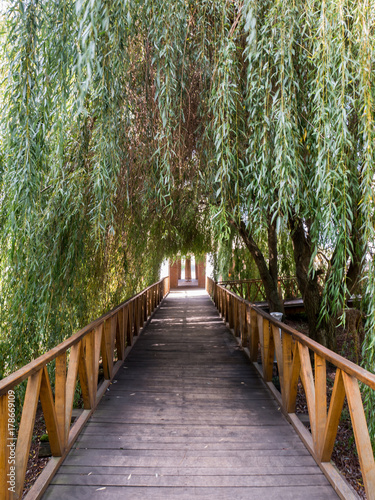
(184,409)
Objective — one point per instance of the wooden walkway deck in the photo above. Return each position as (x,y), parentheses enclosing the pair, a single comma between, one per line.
(188,417)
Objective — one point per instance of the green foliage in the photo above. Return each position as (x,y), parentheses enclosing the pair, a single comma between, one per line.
(132,131)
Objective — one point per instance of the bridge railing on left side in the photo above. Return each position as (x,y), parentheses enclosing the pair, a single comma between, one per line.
(256,329)
(105,342)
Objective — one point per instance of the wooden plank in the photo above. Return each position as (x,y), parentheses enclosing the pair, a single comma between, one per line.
(129,336)
(292,445)
(112,337)
(83,377)
(90,359)
(278,352)
(261,339)
(308,384)
(89,447)
(227,306)
(254,336)
(119,458)
(184,493)
(192,471)
(268,348)
(136,316)
(235,306)
(120,337)
(46,398)
(71,382)
(126,321)
(60,394)
(320,402)
(333,419)
(361,434)
(244,325)
(287,363)
(98,333)
(294,377)
(25,432)
(232,302)
(174,481)
(105,349)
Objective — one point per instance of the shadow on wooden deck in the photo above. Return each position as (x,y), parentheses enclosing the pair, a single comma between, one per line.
(188,417)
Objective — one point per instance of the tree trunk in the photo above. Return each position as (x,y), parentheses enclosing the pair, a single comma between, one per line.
(324,333)
(268,277)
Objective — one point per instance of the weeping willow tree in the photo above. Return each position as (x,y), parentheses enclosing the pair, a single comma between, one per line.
(86,219)
(128,126)
(292,148)
(271,103)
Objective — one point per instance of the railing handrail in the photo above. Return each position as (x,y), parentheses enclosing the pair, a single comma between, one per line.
(15,378)
(254,280)
(339,361)
(291,349)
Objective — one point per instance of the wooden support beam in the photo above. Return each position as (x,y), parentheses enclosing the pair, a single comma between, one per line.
(267,347)
(294,377)
(83,376)
(278,352)
(361,434)
(254,336)
(26,428)
(71,381)
(90,360)
(243,324)
(50,417)
(104,350)
(308,384)
(130,323)
(333,419)
(235,306)
(60,394)
(98,333)
(287,363)
(120,336)
(136,316)
(320,402)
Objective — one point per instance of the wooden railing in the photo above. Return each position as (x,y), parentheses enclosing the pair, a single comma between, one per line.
(294,353)
(105,342)
(253,290)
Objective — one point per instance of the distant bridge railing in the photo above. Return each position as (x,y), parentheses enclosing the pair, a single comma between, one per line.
(104,342)
(253,290)
(253,327)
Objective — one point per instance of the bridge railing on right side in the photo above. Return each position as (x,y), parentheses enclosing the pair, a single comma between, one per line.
(253,289)
(294,351)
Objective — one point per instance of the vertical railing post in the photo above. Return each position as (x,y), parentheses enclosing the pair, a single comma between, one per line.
(254,336)
(320,402)
(287,367)
(60,394)
(267,347)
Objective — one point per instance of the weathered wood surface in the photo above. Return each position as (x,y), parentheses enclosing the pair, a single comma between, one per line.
(188,417)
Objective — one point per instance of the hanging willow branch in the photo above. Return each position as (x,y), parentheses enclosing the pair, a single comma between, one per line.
(126,123)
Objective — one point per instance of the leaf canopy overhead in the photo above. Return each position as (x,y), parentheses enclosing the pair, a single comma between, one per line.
(128,127)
